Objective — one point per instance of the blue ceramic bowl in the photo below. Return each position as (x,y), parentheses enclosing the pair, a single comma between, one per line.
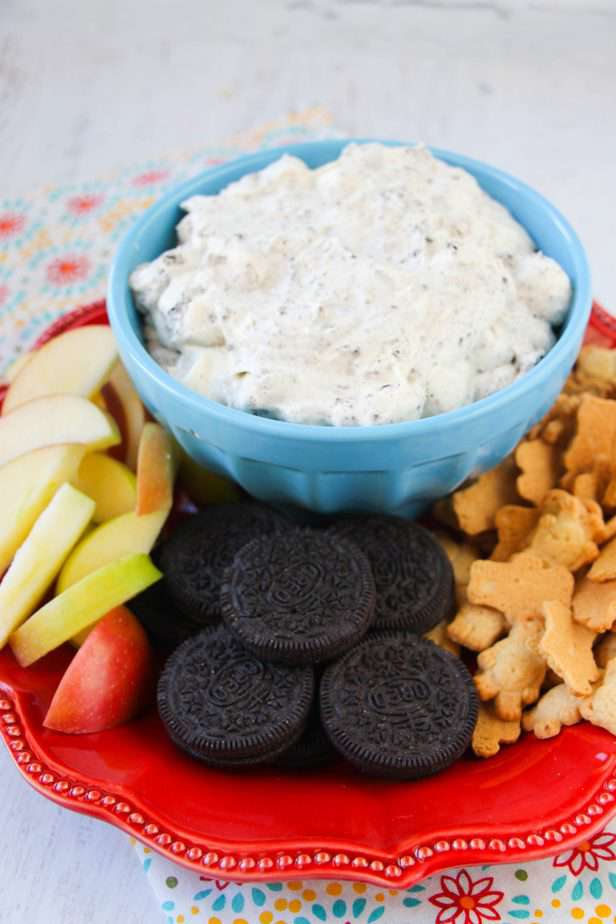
(394,468)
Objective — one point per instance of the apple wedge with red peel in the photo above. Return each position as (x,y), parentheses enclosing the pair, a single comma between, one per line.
(126,406)
(38,560)
(52,421)
(77,362)
(81,606)
(27,485)
(126,535)
(110,484)
(99,400)
(110,680)
(157,464)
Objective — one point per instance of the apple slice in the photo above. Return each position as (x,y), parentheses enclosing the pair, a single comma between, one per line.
(16,366)
(126,535)
(156,468)
(57,419)
(205,487)
(39,559)
(109,681)
(77,362)
(26,487)
(126,406)
(82,605)
(109,483)
(99,400)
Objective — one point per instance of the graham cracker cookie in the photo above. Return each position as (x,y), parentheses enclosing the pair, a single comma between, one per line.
(511,672)
(605,649)
(609,530)
(604,569)
(595,433)
(477,627)
(600,707)
(558,707)
(519,588)
(558,425)
(490,732)
(567,648)
(592,485)
(514,526)
(476,506)
(595,362)
(597,527)
(564,533)
(539,463)
(594,604)
(609,495)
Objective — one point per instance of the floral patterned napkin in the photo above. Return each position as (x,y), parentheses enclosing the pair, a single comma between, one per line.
(55,248)
(578,885)
(56,245)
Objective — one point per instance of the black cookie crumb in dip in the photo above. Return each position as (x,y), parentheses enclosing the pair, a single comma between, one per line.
(413,576)
(195,558)
(227,708)
(398,706)
(300,598)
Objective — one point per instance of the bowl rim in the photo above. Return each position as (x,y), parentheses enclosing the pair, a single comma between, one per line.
(571,334)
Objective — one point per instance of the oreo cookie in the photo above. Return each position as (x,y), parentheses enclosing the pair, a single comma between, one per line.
(227,708)
(413,576)
(195,558)
(398,706)
(301,598)
(160,617)
(312,750)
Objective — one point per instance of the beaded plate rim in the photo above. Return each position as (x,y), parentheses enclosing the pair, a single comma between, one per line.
(420,860)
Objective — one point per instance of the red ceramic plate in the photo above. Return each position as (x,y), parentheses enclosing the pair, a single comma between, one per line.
(533,799)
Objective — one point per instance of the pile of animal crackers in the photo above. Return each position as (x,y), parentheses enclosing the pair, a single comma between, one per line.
(540,609)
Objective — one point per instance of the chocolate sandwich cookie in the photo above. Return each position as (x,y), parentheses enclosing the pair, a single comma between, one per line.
(312,750)
(227,708)
(299,598)
(195,558)
(398,706)
(413,577)
(166,625)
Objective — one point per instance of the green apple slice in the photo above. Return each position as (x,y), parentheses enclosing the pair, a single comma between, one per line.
(109,483)
(77,362)
(82,605)
(27,485)
(39,559)
(126,535)
(55,420)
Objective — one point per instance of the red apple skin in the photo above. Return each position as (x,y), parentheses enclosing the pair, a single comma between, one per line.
(110,680)
(115,408)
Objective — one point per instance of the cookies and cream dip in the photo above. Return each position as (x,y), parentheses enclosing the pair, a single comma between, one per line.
(381,287)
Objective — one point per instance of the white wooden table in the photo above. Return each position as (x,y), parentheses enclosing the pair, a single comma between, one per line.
(88,84)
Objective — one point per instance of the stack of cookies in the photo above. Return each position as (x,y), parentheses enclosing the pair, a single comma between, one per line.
(533,547)
(310,644)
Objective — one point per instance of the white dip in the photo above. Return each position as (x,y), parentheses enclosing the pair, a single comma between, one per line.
(384,286)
